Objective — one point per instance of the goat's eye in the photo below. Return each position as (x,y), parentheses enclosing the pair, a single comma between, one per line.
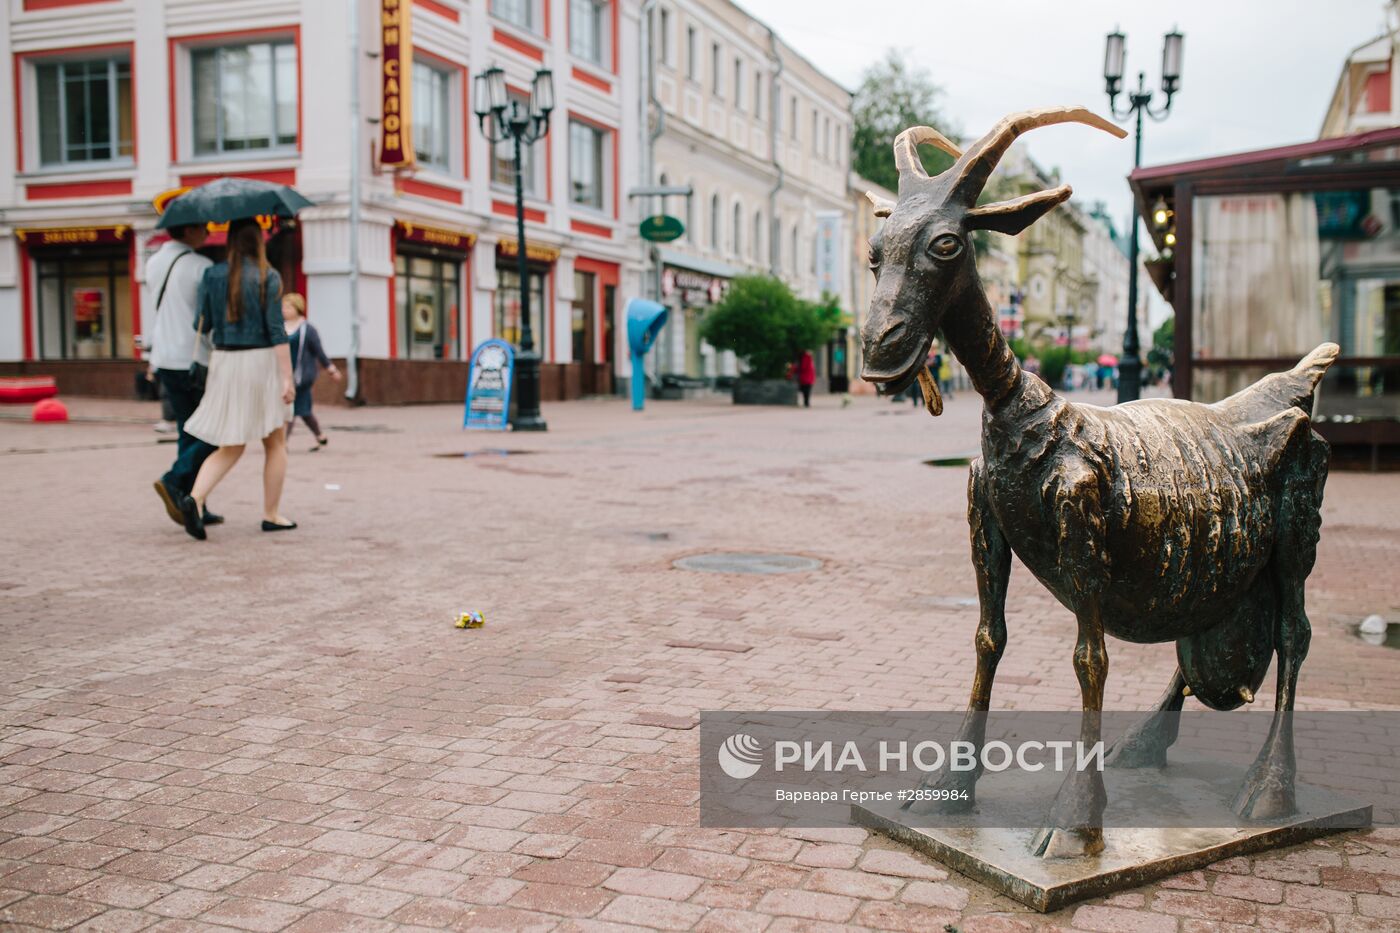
(944,246)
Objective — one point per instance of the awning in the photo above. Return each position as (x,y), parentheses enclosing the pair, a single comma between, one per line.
(674,257)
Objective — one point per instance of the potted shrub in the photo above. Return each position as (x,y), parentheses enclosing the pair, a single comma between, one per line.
(767,326)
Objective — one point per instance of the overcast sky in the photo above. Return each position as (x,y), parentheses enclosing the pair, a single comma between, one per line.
(1256,73)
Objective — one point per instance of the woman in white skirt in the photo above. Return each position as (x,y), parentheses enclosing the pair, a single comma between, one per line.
(249,394)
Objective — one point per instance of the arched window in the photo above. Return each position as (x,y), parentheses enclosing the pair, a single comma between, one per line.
(758,237)
(738,245)
(776,232)
(714,221)
(795,257)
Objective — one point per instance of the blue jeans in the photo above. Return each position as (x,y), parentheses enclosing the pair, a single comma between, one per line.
(191,451)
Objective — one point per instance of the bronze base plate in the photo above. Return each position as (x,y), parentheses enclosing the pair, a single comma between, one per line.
(1002,859)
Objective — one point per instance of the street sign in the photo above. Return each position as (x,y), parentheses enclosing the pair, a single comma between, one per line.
(488,386)
(662,228)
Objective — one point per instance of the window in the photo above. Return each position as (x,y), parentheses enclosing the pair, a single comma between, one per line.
(738,84)
(738,227)
(503,157)
(792,117)
(588,32)
(432,115)
(692,54)
(517,12)
(689,216)
(758,237)
(584,304)
(815,135)
(667,49)
(586,145)
(84,111)
(508,305)
(425,296)
(245,97)
(714,221)
(758,95)
(792,257)
(716,78)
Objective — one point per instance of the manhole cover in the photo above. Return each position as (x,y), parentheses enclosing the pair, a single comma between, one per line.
(731,562)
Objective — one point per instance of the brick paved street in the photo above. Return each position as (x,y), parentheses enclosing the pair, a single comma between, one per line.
(269,732)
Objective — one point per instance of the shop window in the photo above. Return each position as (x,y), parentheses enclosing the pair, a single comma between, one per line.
(245,97)
(503,156)
(432,116)
(84,306)
(587,146)
(84,111)
(588,30)
(426,299)
(584,306)
(508,306)
(516,12)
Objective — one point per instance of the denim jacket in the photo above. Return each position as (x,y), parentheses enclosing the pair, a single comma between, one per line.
(260,324)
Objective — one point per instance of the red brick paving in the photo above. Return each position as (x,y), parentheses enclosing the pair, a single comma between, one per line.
(287,733)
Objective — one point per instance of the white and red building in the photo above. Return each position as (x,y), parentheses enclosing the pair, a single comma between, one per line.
(117,102)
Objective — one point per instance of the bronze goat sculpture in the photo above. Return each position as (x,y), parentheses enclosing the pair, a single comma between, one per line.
(1154,521)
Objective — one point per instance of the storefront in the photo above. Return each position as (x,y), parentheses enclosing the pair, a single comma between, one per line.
(431,320)
(690,293)
(80,303)
(1264,255)
(593,324)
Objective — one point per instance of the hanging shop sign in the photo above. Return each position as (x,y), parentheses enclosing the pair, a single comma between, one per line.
(693,288)
(488,386)
(435,236)
(396,58)
(662,228)
(532,251)
(74,236)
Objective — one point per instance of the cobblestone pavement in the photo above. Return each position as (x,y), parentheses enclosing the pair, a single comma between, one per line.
(287,732)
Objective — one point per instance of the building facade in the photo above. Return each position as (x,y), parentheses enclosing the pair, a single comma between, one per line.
(118,103)
(763,139)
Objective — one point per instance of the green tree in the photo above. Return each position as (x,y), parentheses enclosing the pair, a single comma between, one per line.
(893,96)
(1163,350)
(767,326)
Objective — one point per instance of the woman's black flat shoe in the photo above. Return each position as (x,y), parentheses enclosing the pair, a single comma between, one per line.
(194,521)
(273,526)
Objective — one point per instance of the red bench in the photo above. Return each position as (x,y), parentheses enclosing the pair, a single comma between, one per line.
(24,389)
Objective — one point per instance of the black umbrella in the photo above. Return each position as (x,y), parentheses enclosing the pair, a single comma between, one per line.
(231,199)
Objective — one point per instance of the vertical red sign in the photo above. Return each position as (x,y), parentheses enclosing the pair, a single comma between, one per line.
(396,142)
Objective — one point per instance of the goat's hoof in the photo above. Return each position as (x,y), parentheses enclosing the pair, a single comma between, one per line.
(1266,794)
(1059,842)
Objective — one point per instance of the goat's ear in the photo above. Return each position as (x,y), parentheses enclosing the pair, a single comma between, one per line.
(1011,217)
(883,206)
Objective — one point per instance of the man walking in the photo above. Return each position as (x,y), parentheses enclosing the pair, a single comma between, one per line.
(175,272)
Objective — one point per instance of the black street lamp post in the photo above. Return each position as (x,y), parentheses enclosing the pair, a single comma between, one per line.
(502,118)
(1139,102)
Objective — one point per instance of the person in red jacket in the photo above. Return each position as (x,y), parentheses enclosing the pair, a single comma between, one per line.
(806,372)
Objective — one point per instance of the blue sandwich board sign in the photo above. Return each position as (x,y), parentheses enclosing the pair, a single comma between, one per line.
(488,386)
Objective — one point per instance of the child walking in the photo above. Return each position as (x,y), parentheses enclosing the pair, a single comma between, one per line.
(307,358)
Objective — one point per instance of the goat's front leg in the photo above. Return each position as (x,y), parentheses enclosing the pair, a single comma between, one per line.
(1075,823)
(956,791)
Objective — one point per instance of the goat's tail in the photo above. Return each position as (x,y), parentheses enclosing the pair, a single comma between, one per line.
(1308,373)
(1278,392)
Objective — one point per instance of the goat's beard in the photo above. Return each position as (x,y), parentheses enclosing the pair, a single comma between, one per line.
(933,400)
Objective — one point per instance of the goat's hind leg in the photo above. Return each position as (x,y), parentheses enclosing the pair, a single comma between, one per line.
(1145,745)
(1267,792)
(954,791)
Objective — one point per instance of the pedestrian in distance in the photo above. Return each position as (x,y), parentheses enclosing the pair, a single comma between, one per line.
(307,360)
(250,391)
(180,357)
(806,373)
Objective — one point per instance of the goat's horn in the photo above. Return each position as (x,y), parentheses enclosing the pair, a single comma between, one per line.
(906,149)
(883,206)
(976,165)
